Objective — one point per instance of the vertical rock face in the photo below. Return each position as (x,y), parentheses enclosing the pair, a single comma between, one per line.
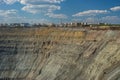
(59,54)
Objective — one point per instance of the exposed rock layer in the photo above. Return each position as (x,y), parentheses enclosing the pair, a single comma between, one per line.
(59,54)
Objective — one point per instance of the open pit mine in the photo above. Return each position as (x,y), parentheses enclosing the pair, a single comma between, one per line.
(51,53)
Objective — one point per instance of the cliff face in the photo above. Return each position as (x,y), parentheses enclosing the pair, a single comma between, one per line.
(59,54)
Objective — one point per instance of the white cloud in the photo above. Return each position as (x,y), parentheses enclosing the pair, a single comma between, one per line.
(39,1)
(43,20)
(40,8)
(6,13)
(111,19)
(8,1)
(20,19)
(14,19)
(11,16)
(47,7)
(8,16)
(31,1)
(106,19)
(116,8)
(60,16)
(77,20)
(91,20)
(90,13)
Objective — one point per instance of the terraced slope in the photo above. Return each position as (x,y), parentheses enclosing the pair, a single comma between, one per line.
(59,54)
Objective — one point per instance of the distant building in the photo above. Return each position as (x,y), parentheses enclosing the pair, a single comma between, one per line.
(25,25)
(75,24)
(15,25)
(102,24)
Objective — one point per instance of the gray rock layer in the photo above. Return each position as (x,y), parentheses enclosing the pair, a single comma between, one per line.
(59,54)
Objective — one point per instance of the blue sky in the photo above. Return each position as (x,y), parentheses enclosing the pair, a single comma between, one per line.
(53,11)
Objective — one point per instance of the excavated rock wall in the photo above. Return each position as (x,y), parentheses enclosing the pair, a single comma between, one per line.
(59,54)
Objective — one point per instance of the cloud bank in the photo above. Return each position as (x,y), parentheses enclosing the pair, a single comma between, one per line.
(90,13)
(40,8)
(6,13)
(116,8)
(46,7)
